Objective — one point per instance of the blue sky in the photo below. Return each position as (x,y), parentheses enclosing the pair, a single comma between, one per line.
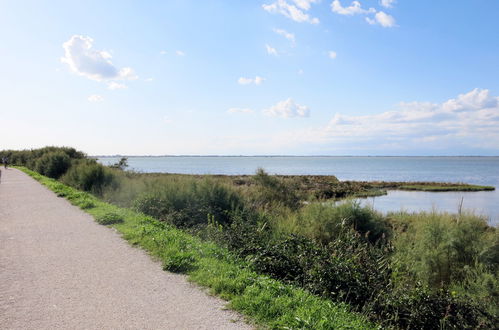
(287,77)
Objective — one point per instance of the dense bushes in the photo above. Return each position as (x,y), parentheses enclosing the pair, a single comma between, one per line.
(344,252)
(271,191)
(90,176)
(325,222)
(454,253)
(53,164)
(71,166)
(187,203)
(29,158)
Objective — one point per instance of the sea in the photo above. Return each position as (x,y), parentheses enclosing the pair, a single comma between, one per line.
(473,170)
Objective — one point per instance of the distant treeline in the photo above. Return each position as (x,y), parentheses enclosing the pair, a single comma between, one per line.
(405,271)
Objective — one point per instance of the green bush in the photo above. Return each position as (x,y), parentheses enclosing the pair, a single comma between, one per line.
(324,222)
(420,308)
(90,176)
(53,164)
(271,190)
(29,158)
(447,252)
(188,203)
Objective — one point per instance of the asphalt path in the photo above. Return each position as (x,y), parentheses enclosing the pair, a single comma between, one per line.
(61,270)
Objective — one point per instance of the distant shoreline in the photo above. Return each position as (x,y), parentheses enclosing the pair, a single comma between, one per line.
(286,156)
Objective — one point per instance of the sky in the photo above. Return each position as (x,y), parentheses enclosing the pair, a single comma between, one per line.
(240,77)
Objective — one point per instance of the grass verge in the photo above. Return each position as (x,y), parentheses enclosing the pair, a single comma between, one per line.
(267,302)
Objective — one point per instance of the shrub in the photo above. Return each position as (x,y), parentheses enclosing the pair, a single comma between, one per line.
(420,308)
(439,249)
(122,164)
(453,253)
(271,190)
(53,164)
(188,203)
(90,176)
(324,222)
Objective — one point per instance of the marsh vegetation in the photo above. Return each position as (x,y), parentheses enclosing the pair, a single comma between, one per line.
(402,270)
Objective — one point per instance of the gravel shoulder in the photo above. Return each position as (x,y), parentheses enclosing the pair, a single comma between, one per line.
(61,270)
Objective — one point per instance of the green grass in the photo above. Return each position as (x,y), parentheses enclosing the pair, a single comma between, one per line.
(267,302)
(443,187)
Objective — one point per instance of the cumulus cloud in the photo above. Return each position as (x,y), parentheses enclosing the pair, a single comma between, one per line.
(332,54)
(304,4)
(475,100)
(247,81)
(387,3)
(90,63)
(271,50)
(354,9)
(379,17)
(95,98)
(382,19)
(286,34)
(287,109)
(296,11)
(470,119)
(240,110)
(179,53)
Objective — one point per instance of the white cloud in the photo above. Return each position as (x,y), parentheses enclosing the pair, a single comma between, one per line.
(246,81)
(305,4)
(149,79)
(296,13)
(258,80)
(163,52)
(179,53)
(471,119)
(287,109)
(301,71)
(475,100)
(113,85)
(387,3)
(467,124)
(95,98)
(240,110)
(271,50)
(354,9)
(382,19)
(286,34)
(332,54)
(90,63)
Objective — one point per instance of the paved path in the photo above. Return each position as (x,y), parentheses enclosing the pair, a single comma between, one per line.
(61,270)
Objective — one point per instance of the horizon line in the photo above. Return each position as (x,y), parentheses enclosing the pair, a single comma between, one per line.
(215,155)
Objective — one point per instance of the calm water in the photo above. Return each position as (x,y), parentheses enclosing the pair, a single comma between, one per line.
(475,170)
